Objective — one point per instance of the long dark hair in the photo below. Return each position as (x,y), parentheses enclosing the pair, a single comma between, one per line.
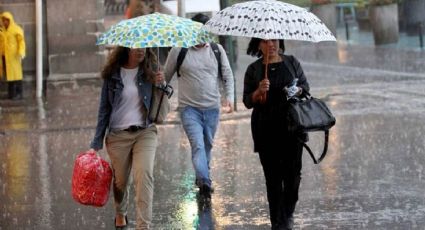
(119,57)
(254,47)
(202,18)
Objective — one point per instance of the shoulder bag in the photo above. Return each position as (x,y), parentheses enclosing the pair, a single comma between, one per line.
(160,104)
(309,114)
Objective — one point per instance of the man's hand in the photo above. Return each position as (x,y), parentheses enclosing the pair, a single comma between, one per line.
(227,106)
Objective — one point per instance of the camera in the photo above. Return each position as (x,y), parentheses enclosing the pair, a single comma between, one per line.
(168,89)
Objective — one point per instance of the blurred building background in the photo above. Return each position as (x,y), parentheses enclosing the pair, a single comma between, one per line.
(70,28)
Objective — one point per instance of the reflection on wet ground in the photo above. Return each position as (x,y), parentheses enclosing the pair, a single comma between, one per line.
(372,177)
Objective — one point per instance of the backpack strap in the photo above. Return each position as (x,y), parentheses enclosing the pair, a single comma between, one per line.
(217,54)
(180,59)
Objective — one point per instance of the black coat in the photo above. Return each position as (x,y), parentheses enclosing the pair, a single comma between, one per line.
(268,120)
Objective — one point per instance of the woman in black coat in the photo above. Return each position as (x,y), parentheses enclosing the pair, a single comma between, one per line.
(279,150)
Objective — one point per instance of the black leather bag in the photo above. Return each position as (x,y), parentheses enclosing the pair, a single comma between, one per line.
(310,114)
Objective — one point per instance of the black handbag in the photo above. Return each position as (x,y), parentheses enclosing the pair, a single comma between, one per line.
(309,114)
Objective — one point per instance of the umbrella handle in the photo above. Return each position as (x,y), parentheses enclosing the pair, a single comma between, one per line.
(263,97)
(267,62)
(158,67)
(157,59)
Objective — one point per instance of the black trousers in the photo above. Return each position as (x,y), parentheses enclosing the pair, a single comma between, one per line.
(4,66)
(282,170)
(15,89)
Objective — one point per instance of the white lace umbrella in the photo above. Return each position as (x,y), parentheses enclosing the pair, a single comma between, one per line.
(269,19)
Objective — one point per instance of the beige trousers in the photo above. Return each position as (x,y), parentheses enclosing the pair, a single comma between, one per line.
(133,151)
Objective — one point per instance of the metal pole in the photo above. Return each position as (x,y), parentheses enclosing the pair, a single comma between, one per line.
(181,8)
(232,65)
(230,50)
(347,32)
(421,35)
(39,47)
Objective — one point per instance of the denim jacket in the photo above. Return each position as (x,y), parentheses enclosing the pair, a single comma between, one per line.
(110,96)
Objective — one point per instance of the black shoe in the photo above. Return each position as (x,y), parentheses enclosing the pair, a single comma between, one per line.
(205,191)
(290,223)
(197,184)
(280,227)
(121,227)
(203,203)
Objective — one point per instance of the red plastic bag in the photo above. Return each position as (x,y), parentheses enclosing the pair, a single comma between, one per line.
(91,179)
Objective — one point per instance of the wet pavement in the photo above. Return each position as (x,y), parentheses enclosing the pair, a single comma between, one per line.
(372,177)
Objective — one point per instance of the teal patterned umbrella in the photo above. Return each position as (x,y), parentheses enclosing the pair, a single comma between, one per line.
(155,30)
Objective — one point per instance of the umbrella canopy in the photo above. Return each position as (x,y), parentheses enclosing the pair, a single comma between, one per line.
(155,30)
(269,19)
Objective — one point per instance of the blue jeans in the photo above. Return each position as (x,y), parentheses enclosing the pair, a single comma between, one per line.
(200,126)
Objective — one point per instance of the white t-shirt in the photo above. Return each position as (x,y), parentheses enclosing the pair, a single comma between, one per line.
(129,109)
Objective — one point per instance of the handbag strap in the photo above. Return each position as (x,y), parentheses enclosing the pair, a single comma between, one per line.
(167,91)
(159,106)
(325,149)
(289,60)
(293,71)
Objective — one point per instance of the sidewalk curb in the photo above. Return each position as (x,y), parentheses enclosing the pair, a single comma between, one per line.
(224,117)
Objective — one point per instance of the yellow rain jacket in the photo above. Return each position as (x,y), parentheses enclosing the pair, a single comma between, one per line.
(12,47)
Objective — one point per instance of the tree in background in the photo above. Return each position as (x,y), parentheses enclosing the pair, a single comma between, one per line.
(141,7)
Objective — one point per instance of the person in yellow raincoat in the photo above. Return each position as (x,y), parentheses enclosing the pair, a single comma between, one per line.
(12,51)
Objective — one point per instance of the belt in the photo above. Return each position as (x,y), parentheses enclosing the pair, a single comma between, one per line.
(133,128)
